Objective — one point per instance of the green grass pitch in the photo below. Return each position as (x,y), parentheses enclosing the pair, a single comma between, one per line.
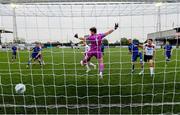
(62,85)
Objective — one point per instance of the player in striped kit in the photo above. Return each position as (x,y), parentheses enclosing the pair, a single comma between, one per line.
(149,55)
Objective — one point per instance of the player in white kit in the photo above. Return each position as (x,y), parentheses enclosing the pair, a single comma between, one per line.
(86,50)
(149,54)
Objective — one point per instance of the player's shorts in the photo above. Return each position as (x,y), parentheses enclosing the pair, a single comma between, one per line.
(97,54)
(135,56)
(85,55)
(168,55)
(34,56)
(147,58)
(14,53)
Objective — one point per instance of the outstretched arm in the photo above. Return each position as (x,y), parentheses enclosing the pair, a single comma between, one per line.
(110,31)
(81,38)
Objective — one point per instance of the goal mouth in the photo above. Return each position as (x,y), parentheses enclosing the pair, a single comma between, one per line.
(131,65)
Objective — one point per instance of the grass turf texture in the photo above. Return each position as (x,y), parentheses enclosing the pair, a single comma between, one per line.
(62,81)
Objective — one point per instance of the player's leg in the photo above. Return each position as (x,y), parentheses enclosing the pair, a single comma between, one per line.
(151,67)
(13,56)
(101,67)
(102,51)
(30,60)
(91,64)
(133,60)
(101,64)
(85,61)
(141,62)
(12,59)
(40,60)
(168,56)
(133,66)
(88,63)
(88,57)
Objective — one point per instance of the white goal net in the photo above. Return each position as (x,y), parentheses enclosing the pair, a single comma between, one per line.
(57,82)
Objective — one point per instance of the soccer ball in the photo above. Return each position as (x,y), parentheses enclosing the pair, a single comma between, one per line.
(20,88)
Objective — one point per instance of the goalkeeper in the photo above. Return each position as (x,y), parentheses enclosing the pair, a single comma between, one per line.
(86,49)
(95,47)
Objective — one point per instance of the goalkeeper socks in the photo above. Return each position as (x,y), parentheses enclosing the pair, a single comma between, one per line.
(101,67)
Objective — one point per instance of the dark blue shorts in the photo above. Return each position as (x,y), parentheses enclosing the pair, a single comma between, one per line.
(34,56)
(135,56)
(168,56)
(14,53)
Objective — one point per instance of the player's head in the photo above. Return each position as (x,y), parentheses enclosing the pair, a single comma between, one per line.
(129,41)
(37,44)
(93,30)
(150,41)
(135,41)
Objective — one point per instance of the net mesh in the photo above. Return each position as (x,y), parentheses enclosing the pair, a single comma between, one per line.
(62,86)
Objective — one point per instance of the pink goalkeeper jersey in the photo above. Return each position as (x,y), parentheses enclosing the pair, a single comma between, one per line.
(96,41)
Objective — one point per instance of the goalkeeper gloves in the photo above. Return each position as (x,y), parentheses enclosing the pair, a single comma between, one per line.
(76,35)
(116,26)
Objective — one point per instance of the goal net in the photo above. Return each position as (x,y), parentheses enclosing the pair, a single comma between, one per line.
(60,85)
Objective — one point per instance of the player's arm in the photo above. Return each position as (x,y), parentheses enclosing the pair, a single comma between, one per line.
(144,49)
(84,42)
(31,49)
(140,46)
(110,31)
(80,38)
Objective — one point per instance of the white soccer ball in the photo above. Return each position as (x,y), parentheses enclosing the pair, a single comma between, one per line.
(20,88)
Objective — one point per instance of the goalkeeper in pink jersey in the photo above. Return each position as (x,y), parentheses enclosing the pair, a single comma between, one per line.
(95,47)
